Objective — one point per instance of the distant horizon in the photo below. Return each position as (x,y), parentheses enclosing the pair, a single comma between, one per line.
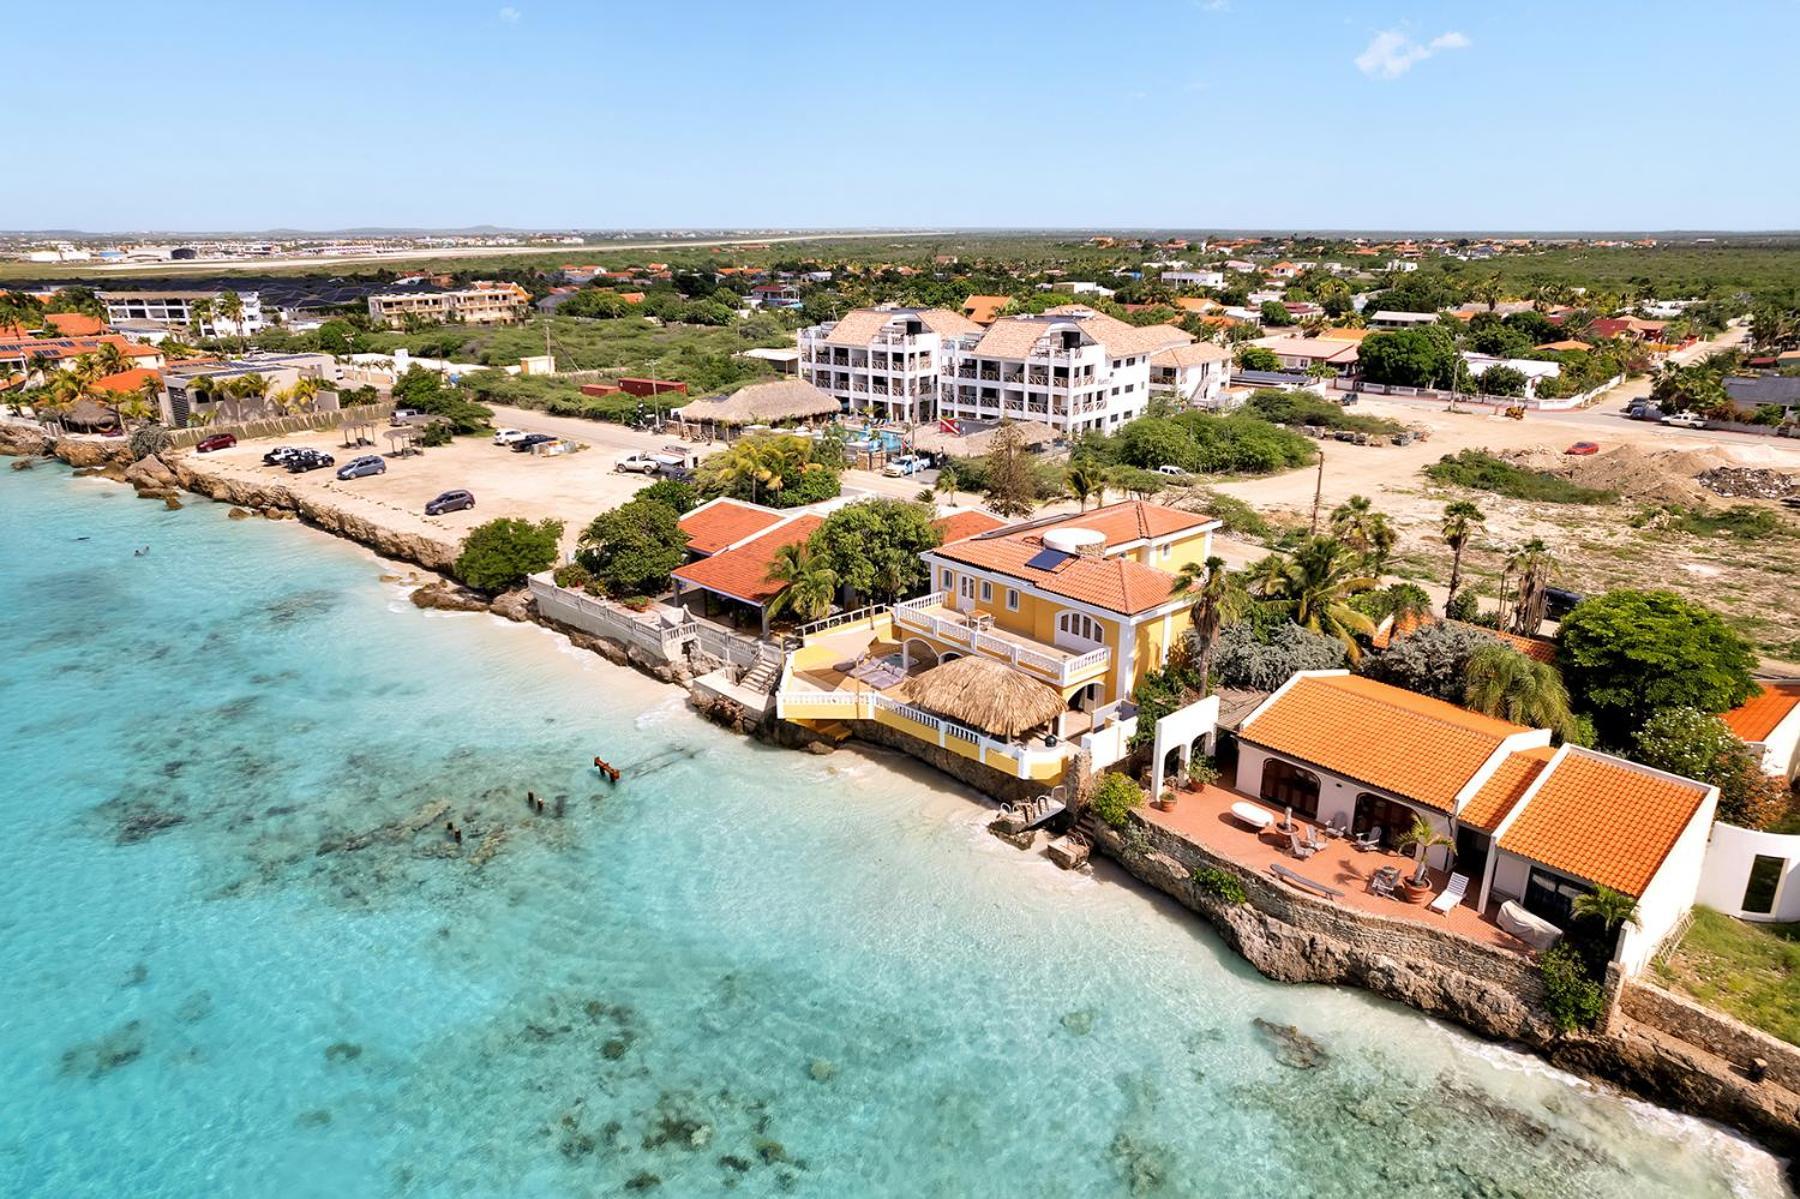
(778,231)
(1388,115)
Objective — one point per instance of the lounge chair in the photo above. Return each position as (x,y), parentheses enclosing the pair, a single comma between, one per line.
(1314,841)
(1299,848)
(1451,895)
(1382,883)
(1369,840)
(1337,826)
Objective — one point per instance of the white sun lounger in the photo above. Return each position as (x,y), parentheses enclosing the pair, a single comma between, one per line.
(1451,895)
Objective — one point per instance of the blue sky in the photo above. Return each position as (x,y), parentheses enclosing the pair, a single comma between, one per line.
(1186,113)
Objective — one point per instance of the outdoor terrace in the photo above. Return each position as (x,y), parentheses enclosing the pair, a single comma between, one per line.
(1204,817)
(931,616)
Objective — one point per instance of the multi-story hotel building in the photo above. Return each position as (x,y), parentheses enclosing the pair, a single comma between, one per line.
(1072,368)
(883,362)
(481,303)
(175,310)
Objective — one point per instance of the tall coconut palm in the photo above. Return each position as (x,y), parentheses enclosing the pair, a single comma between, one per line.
(808,584)
(246,390)
(1316,588)
(300,397)
(1085,481)
(1534,565)
(1500,681)
(1215,606)
(41,364)
(109,359)
(1265,576)
(1462,520)
(200,314)
(231,308)
(150,390)
(1367,532)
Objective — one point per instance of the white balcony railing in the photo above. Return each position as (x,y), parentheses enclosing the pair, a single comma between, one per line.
(1061,669)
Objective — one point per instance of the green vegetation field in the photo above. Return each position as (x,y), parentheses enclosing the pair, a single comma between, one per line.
(1751,971)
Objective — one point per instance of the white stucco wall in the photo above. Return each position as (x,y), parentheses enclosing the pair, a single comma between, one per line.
(1671,893)
(1337,796)
(1780,750)
(1726,871)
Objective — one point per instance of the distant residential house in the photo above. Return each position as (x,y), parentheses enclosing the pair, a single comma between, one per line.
(1387,319)
(1196,375)
(985,310)
(1303,353)
(1194,278)
(775,295)
(1535,370)
(1748,393)
(1769,724)
(175,309)
(484,302)
(1240,266)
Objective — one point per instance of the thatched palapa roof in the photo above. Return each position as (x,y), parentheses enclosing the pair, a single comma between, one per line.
(985,694)
(762,404)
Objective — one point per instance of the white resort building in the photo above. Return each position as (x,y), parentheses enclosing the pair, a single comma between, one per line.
(1072,368)
(883,362)
(175,310)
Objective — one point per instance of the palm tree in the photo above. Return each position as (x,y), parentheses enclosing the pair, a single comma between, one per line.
(1534,565)
(1315,590)
(946,482)
(1500,681)
(200,313)
(1423,839)
(110,359)
(1359,526)
(809,585)
(300,397)
(150,391)
(41,364)
(1265,576)
(1611,908)
(1488,291)
(1214,607)
(133,407)
(1084,481)
(1461,521)
(231,308)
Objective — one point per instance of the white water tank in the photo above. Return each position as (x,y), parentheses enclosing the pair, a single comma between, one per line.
(1075,541)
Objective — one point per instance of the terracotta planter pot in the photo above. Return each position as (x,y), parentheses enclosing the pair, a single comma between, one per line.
(1165,804)
(1415,894)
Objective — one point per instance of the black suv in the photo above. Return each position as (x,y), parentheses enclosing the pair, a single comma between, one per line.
(450,501)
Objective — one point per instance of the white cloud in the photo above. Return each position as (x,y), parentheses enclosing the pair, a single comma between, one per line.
(510,15)
(1391,53)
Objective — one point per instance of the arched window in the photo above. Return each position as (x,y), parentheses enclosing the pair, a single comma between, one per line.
(1079,627)
(1288,786)
(1395,820)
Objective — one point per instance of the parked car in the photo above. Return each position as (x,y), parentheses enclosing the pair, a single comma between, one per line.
(402,415)
(218,441)
(450,501)
(508,436)
(307,460)
(279,455)
(906,464)
(1583,448)
(1174,472)
(1558,601)
(368,464)
(1685,420)
(638,464)
(524,444)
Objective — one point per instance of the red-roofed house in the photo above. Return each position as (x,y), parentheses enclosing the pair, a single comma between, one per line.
(722,523)
(1769,723)
(739,573)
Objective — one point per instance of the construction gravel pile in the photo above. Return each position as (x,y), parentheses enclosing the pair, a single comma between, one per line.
(1747,482)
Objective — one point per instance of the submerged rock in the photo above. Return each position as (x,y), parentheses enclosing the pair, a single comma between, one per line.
(822,1070)
(317,1118)
(141,822)
(93,1059)
(1080,1022)
(343,1051)
(239,514)
(1292,1047)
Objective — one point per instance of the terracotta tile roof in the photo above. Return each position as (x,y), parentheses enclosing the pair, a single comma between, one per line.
(1344,334)
(1604,820)
(1116,584)
(1567,343)
(1757,716)
(1418,748)
(743,573)
(984,310)
(76,324)
(959,525)
(1127,521)
(1540,649)
(712,527)
(1517,771)
(1319,349)
(126,381)
(1198,354)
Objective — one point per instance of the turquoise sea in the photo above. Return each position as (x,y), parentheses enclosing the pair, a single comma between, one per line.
(240,956)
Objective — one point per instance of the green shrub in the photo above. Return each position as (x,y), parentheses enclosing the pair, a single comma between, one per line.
(1466,606)
(1484,472)
(147,440)
(1305,408)
(437,433)
(503,553)
(1115,797)
(1573,999)
(574,576)
(1221,884)
(1237,516)
(678,495)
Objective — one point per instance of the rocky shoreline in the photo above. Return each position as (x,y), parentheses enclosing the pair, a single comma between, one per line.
(1636,1058)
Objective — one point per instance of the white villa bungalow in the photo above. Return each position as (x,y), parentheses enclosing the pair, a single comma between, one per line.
(1530,824)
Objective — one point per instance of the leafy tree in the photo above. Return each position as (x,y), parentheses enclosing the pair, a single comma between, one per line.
(336,337)
(1263,660)
(873,547)
(421,389)
(1406,358)
(631,549)
(1258,358)
(503,553)
(1626,654)
(1505,683)
(1462,520)
(1275,314)
(1432,660)
(1011,481)
(677,494)
(1503,381)
(1690,743)
(808,584)
(769,468)
(1573,999)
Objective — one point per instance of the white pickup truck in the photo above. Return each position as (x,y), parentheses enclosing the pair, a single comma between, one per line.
(638,464)
(1685,420)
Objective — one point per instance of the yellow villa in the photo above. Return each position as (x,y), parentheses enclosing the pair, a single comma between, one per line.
(1078,606)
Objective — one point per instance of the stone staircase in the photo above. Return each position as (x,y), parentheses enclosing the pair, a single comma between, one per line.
(762,677)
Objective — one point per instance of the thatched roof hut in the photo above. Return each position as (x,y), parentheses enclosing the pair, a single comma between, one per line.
(762,404)
(985,694)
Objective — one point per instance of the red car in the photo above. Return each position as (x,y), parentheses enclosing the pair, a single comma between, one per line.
(1584,448)
(218,441)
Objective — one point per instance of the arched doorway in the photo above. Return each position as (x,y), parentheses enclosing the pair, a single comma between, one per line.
(1289,786)
(1085,699)
(1394,820)
(919,653)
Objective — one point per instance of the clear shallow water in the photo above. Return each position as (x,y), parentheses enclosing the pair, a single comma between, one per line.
(230,965)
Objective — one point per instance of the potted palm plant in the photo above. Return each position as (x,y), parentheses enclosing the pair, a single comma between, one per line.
(1422,839)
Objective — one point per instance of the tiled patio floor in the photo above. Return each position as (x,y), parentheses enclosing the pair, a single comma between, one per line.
(1205,818)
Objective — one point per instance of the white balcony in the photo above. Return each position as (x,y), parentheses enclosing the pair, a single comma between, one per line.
(932,616)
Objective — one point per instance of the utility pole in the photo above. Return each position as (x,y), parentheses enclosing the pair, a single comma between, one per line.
(1318,492)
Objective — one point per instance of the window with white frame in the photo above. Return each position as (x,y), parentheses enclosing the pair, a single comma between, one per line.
(945,580)
(1079,627)
(1012,599)
(987,592)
